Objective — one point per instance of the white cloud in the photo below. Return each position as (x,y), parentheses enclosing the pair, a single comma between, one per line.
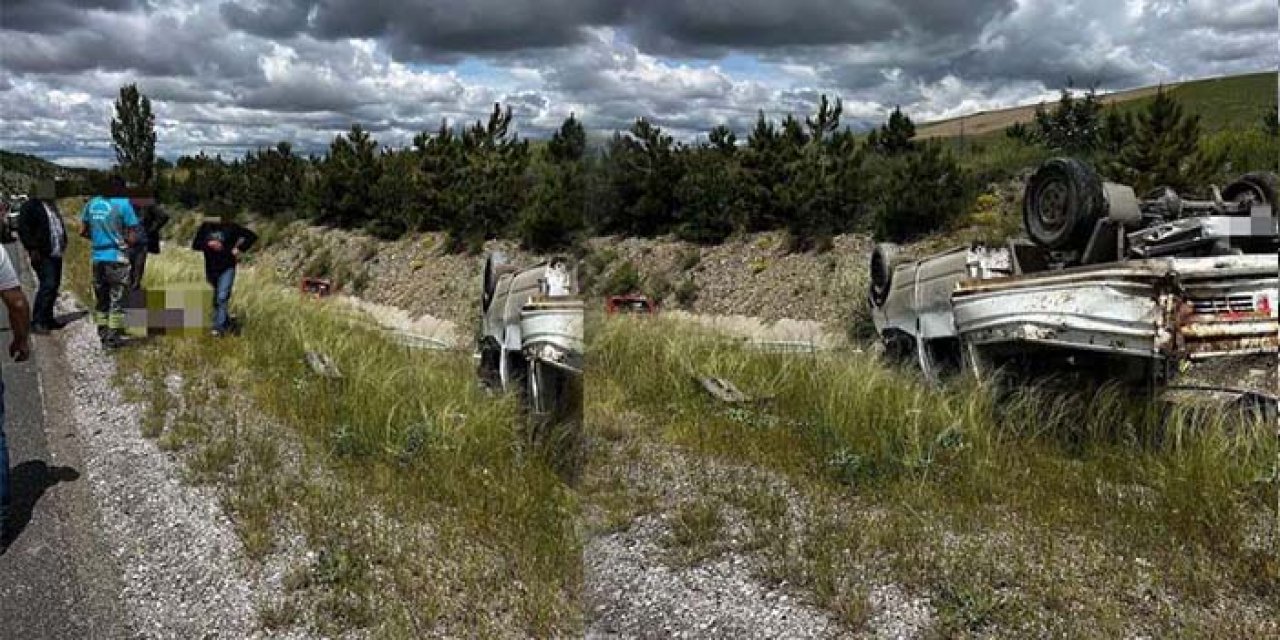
(301,73)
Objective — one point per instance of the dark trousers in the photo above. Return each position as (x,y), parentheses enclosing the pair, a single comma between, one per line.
(49,272)
(110,279)
(137,265)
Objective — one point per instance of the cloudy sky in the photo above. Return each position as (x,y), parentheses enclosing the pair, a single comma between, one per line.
(226,75)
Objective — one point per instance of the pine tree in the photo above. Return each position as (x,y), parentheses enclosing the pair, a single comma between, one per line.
(711,193)
(555,214)
(894,137)
(1116,132)
(569,143)
(492,187)
(347,179)
(1165,148)
(1073,125)
(763,173)
(924,191)
(133,134)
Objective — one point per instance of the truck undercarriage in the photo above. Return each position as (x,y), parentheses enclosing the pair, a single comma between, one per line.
(1159,289)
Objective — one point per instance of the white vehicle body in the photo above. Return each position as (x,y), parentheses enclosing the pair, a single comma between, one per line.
(531,337)
(1159,287)
(1166,309)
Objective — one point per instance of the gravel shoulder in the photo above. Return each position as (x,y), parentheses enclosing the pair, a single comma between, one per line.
(57,578)
(182,569)
(633,593)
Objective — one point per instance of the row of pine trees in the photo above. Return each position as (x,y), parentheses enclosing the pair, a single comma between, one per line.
(812,177)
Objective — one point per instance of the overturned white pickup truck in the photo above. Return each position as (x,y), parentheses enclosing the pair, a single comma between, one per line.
(1147,288)
(531,336)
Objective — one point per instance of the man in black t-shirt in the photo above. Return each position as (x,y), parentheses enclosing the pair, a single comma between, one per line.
(222,241)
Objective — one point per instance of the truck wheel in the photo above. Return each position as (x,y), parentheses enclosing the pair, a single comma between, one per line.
(1062,202)
(492,269)
(1258,187)
(884,257)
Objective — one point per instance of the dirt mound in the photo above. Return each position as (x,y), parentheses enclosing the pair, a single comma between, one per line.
(414,273)
(753,275)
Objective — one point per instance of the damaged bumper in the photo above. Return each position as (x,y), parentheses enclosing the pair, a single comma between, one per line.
(1172,308)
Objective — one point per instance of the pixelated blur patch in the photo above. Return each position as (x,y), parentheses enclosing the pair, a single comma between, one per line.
(172,310)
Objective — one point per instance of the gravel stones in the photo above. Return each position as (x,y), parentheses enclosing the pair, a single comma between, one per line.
(633,594)
(183,566)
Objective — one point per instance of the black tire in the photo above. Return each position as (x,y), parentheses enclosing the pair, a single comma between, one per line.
(1258,187)
(1062,203)
(883,260)
(492,269)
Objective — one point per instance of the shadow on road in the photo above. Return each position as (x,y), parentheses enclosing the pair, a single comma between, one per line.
(28,483)
(71,317)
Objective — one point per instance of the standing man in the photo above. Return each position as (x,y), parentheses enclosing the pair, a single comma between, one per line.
(152,219)
(20,348)
(111,225)
(222,241)
(44,237)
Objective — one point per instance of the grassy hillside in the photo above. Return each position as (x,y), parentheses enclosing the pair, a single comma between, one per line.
(1221,102)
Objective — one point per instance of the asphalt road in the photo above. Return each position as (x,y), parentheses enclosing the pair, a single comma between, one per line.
(57,580)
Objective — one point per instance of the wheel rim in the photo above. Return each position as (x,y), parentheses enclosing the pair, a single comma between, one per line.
(1051,206)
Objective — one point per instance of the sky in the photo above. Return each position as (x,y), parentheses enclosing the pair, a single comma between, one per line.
(229,75)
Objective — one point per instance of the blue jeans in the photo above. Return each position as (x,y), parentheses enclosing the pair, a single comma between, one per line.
(221,283)
(49,273)
(4,466)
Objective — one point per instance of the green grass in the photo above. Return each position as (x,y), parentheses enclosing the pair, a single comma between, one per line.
(1225,103)
(428,511)
(1231,110)
(1045,509)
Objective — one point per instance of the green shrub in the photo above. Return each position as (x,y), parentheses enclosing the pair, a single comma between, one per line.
(622,280)
(686,293)
(924,191)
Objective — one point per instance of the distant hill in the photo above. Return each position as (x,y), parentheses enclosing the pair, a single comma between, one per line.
(33,166)
(19,170)
(1221,102)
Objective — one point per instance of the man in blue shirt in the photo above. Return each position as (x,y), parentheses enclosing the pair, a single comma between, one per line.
(111,225)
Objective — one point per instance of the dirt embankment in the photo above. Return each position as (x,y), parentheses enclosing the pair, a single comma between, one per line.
(414,273)
(753,275)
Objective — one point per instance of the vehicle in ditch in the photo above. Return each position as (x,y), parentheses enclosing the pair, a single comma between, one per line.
(1153,289)
(631,304)
(531,338)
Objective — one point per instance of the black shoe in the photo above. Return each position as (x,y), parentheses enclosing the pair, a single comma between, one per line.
(112,340)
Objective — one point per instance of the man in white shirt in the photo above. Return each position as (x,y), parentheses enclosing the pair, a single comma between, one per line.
(45,238)
(20,348)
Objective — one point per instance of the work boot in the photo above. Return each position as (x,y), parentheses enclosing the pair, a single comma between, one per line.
(112,340)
